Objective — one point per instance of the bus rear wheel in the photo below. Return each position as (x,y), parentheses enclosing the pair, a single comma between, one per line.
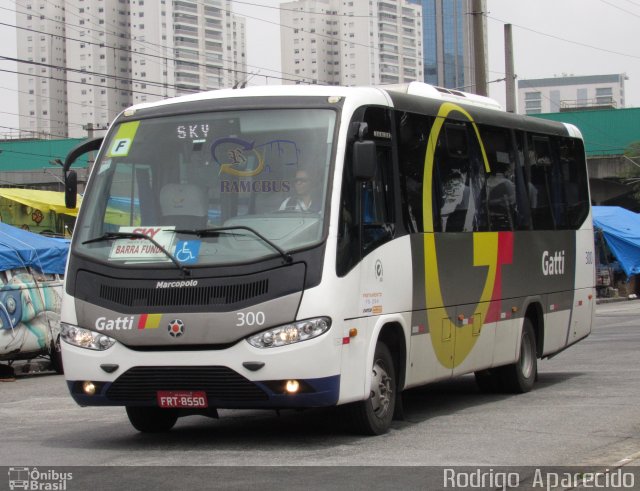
(520,376)
(152,419)
(373,416)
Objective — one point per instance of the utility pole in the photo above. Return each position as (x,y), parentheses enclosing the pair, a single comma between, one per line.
(478,46)
(510,76)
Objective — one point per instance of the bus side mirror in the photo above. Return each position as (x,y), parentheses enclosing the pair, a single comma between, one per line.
(364,160)
(70,189)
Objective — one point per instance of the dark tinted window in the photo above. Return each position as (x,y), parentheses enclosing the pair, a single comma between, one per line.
(458,181)
(560,196)
(413,135)
(540,170)
(366,216)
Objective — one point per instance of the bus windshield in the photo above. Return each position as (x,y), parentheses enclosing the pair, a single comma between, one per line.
(209,188)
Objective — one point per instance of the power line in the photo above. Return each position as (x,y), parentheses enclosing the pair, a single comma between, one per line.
(620,8)
(63,137)
(578,43)
(633,3)
(52,98)
(148,44)
(126,80)
(44,119)
(334,13)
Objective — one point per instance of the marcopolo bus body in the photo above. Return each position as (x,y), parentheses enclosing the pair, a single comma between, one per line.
(292,247)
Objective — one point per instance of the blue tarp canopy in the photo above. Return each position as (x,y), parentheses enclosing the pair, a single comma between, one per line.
(621,230)
(19,248)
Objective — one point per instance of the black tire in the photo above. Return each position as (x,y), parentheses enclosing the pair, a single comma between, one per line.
(520,376)
(373,416)
(152,419)
(55,354)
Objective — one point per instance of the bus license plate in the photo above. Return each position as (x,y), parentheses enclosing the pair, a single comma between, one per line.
(182,399)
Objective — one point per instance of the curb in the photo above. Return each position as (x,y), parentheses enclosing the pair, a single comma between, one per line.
(613,300)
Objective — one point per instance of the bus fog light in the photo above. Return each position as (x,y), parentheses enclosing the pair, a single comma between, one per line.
(89,388)
(290,333)
(292,386)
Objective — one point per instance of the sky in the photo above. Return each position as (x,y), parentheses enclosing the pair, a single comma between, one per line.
(550,37)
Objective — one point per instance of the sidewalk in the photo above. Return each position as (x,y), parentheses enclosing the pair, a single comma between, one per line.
(614,299)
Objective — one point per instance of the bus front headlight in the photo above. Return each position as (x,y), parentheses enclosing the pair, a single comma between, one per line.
(290,333)
(83,338)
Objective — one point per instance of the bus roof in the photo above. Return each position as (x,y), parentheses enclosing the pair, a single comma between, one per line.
(451,95)
(413,88)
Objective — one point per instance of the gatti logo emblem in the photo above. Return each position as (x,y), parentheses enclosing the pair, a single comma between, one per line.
(117,324)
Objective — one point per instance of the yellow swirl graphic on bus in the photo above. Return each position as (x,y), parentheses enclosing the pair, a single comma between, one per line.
(453,349)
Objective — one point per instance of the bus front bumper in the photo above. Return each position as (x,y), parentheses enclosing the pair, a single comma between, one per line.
(306,375)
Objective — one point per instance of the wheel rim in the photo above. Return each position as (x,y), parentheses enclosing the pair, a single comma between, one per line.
(381,390)
(526,357)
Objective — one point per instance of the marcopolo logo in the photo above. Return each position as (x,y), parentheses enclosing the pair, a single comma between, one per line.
(34,479)
(176,284)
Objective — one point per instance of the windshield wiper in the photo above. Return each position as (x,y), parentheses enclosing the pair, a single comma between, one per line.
(212,232)
(136,235)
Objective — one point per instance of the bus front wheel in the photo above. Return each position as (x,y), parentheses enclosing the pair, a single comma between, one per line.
(152,419)
(373,416)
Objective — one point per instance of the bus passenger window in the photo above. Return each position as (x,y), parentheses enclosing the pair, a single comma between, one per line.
(540,160)
(574,181)
(501,188)
(458,181)
(501,194)
(376,203)
(413,135)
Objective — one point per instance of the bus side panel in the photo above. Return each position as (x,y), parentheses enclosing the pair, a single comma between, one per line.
(424,366)
(377,292)
(478,332)
(556,320)
(585,296)
(507,337)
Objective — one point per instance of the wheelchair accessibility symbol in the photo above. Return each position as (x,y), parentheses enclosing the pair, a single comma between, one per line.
(187,251)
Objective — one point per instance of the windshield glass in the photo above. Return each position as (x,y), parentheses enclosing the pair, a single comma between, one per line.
(259,175)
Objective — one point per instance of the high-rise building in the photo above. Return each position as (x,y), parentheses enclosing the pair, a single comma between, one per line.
(346,42)
(86,60)
(448,45)
(42,96)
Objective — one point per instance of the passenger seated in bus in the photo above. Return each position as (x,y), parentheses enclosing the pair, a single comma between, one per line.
(303,198)
(455,199)
(501,194)
(183,205)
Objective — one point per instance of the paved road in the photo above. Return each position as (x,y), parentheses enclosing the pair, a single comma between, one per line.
(583,411)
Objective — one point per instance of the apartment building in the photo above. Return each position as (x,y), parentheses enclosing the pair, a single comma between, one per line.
(346,42)
(571,93)
(99,56)
(42,96)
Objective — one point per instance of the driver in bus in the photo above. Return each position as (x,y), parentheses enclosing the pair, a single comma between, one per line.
(302,199)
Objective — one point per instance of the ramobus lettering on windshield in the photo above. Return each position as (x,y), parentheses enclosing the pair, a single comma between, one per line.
(176,284)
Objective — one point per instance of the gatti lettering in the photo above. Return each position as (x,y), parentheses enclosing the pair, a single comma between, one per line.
(552,263)
(117,324)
